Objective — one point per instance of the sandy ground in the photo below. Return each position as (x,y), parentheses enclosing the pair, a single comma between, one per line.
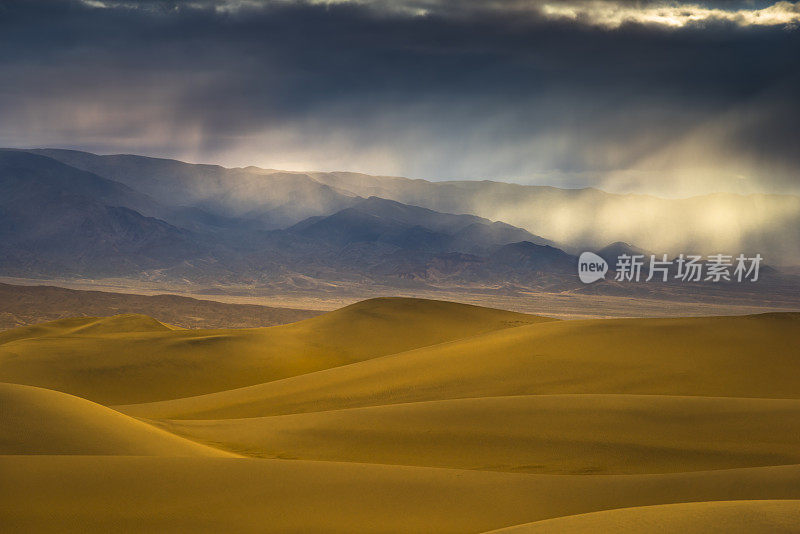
(403,415)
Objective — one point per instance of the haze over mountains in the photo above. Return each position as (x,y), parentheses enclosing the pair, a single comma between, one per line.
(69,213)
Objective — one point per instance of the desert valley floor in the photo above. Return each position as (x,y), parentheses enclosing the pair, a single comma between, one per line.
(403,415)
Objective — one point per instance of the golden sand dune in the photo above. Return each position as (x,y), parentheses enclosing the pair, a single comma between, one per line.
(40,421)
(748,356)
(118,365)
(728,517)
(402,415)
(533,434)
(125,494)
(117,324)
(22,305)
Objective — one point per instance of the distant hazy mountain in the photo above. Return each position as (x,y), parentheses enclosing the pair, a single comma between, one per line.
(58,219)
(542,258)
(25,177)
(411,227)
(588,219)
(263,198)
(65,213)
(585,219)
(612,252)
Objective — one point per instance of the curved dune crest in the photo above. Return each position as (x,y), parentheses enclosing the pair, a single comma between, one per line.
(723,517)
(40,421)
(426,318)
(120,324)
(115,324)
(750,356)
(101,361)
(532,434)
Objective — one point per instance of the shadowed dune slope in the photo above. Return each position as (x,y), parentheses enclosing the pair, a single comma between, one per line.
(747,356)
(253,495)
(728,517)
(111,363)
(40,421)
(534,434)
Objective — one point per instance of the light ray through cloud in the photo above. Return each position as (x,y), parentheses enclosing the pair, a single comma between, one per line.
(608,14)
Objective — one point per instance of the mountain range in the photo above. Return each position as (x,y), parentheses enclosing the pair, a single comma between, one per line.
(69,213)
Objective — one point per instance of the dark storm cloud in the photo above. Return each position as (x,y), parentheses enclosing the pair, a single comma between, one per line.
(431,89)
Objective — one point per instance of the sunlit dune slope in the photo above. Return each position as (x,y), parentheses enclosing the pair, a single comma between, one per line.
(65,494)
(723,517)
(107,362)
(533,434)
(747,356)
(403,415)
(117,324)
(40,421)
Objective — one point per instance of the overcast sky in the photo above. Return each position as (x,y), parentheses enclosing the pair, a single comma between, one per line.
(669,98)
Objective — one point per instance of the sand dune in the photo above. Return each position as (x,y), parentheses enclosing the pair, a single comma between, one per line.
(40,421)
(116,366)
(22,305)
(748,356)
(251,495)
(533,434)
(403,415)
(728,517)
(116,324)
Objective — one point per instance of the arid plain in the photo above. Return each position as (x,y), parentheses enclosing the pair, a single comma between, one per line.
(403,415)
